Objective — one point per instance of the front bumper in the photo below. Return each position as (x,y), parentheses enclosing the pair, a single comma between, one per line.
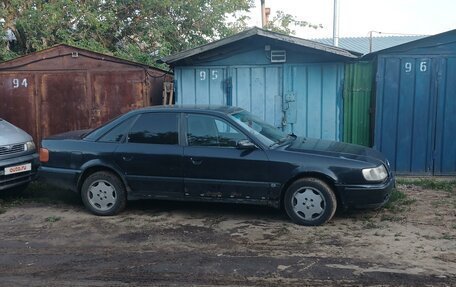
(366,196)
(59,177)
(13,180)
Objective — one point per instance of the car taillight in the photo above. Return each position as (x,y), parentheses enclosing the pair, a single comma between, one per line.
(44,155)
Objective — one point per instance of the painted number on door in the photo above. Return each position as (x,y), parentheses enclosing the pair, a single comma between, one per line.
(213,74)
(423,66)
(17,83)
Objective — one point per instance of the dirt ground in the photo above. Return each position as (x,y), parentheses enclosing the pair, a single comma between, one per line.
(50,240)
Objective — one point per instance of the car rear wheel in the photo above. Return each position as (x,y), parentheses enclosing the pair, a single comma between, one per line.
(310,201)
(103,193)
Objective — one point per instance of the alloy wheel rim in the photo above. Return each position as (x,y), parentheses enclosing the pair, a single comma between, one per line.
(308,203)
(102,195)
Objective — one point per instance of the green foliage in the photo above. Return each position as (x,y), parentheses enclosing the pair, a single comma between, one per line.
(52,219)
(138,30)
(142,30)
(285,23)
(399,201)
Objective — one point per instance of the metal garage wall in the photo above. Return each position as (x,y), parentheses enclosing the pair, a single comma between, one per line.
(17,100)
(415,110)
(313,100)
(257,89)
(357,102)
(303,98)
(445,131)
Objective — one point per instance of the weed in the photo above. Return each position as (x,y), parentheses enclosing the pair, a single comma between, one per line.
(2,210)
(368,223)
(52,219)
(390,217)
(430,183)
(447,236)
(399,201)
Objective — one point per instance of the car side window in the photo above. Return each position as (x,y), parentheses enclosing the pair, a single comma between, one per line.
(117,133)
(205,130)
(155,128)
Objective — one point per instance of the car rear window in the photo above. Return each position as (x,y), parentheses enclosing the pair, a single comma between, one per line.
(117,133)
(155,128)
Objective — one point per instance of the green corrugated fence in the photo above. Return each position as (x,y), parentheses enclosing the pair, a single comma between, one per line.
(357,95)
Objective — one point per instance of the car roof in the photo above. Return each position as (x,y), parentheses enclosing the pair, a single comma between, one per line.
(207,109)
(192,108)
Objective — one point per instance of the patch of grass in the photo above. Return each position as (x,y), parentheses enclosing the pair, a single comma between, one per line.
(399,201)
(2,210)
(431,183)
(370,225)
(52,219)
(447,236)
(391,217)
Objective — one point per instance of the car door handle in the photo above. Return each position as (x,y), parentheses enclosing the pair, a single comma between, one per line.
(196,161)
(127,158)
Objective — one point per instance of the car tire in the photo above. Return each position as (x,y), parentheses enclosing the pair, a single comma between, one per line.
(103,193)
(310,202)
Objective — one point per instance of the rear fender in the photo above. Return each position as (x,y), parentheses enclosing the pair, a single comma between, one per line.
(98,165)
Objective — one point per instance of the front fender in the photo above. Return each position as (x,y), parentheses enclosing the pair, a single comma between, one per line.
(307,170)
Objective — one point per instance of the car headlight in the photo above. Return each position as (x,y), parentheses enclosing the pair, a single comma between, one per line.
(375,174)
(30,146)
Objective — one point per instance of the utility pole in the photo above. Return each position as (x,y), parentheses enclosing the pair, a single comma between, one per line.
(335,23)
(263,14)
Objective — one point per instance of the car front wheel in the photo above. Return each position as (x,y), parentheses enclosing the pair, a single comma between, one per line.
(103,193)
(310,201)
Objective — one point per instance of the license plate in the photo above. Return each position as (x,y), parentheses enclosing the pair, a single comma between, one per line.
(18,168)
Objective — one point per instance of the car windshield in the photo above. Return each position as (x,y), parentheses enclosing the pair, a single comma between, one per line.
(266,133)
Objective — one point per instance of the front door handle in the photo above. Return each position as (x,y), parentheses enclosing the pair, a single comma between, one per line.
(196,161)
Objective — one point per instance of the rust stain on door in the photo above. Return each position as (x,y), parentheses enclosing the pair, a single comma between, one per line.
(64,103)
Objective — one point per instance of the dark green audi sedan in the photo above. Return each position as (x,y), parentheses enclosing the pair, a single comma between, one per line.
(215,154)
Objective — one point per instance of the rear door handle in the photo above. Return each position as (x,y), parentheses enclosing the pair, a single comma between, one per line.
(196,161)
(127,158)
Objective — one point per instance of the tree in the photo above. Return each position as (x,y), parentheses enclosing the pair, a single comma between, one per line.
(141,30)
(138,30)
(285,23)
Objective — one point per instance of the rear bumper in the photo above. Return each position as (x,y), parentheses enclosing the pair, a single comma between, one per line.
(17,179)
(59,177)
(366,196)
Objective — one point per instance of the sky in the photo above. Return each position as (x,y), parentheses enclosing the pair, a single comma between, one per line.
(358,17)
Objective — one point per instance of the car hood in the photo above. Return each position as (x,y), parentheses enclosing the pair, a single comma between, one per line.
(10,134)
(71,135)
(336,149)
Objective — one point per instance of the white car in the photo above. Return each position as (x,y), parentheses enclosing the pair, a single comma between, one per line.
(18,158)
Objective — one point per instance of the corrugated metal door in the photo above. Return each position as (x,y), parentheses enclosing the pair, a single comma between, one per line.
(257,89)
(312,100)
(17,100)
(415,114)
(445,128)
(201,86)
(116,93)
(357,103)
(64,104)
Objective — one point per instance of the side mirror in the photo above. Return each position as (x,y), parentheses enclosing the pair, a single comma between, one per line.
(245,144)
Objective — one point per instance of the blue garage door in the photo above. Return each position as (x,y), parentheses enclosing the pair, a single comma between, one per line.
(415,110)
(313,100)
(257,89)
